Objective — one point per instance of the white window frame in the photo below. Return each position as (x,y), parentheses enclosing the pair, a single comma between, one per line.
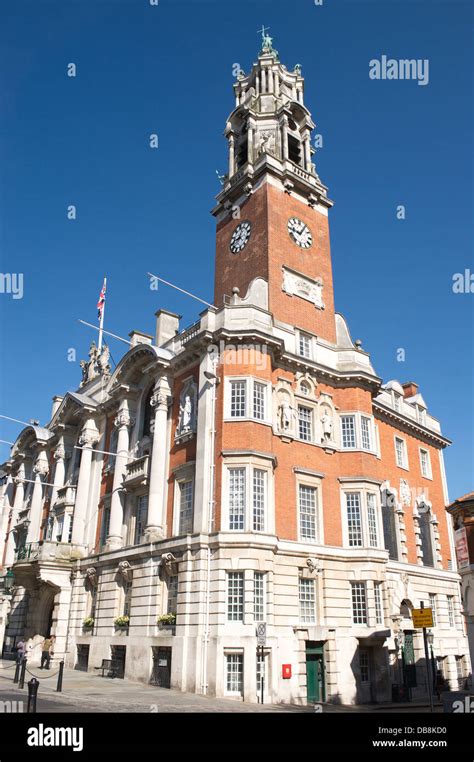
(175,593)
(240,654)
(250,464)
(302,336)
(433,604)
(342,417)
(240,575)
(357,416)
(310,422)
(429,473)
(306,583)
(138,539)
(182,474)
(249,413)
(364,489)
(378,603)
(263,577)
(451,611)
(397,401)
(315,482)
(364,611)
(421,415)
(405,464)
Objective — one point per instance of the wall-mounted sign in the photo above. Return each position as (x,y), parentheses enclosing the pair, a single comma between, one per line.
(462,550)
(422,617)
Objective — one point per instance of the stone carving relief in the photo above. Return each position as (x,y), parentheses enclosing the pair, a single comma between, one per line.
(265,142)
(97,365)
(306,288)
(125,571)
(91,576)
(314,565)
(405,493)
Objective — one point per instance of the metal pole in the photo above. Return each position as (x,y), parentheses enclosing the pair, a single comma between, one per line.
(21,683)
(60,677)
(427,664)
(262,680)
(33,686)
(101,323)
(17,671)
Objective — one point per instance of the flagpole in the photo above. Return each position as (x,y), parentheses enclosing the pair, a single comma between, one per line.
(101,323)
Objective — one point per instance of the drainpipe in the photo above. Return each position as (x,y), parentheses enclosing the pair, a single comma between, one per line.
(212,378)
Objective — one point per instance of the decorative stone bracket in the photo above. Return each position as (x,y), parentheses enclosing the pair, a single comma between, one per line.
(125,571)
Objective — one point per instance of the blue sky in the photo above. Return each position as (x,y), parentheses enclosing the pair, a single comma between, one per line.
(168,70)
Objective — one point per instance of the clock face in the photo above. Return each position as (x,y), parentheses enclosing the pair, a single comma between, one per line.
(240,237)
(300,233)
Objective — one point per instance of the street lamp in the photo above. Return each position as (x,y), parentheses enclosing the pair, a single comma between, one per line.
(430,639)
(8,581)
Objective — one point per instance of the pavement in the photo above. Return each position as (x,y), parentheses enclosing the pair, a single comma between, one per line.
(88,692)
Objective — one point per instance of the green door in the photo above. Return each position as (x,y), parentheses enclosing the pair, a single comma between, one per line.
(314,677)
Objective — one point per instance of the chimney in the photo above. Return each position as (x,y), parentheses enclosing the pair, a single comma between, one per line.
(409,389)
(167,326)
(56,403)
(138,337)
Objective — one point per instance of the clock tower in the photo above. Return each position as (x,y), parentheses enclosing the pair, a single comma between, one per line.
(272,212)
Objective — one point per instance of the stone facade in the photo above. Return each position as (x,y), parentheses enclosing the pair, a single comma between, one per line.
(250,469)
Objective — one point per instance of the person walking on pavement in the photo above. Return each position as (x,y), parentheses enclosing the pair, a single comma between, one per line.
(47,651)
(20,650)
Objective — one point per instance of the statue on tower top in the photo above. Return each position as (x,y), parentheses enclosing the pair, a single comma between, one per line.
(267,41)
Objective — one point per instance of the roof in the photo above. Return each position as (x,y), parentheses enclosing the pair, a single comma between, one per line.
(467,498)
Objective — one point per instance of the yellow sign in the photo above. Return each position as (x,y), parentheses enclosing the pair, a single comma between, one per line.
(422,617)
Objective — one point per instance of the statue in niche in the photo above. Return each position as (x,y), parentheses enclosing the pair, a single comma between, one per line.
(327,425)
(285,414)
(187,410)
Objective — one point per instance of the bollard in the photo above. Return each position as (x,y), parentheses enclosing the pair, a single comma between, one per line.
(59,686)
(21,682)
(17,671)
(33,686)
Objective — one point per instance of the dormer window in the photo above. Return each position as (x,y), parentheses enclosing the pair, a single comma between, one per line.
(397,402)
(421,415)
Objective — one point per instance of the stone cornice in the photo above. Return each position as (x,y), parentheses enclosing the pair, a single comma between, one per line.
(409,425)
(250,454)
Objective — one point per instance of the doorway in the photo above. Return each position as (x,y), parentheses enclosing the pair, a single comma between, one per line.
(161,671)
(118,654)
(315,681)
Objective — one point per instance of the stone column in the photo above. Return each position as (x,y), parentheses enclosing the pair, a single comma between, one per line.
(277,84)
(250,136)
(88,439)
(307,151)
(231,155)
(264,80)
(270,80)
(284,137)
(5,511)
(123,422)
(40,470)
(17,506)
(160,401)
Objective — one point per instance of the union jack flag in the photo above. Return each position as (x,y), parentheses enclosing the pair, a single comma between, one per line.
(101,302)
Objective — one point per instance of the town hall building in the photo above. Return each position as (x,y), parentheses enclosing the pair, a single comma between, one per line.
(243,499)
